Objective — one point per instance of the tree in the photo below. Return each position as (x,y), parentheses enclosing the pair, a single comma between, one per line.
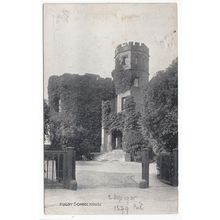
(159,120)
(64,133)
(46,119)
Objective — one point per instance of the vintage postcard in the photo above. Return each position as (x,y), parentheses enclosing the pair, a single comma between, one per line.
(110,108)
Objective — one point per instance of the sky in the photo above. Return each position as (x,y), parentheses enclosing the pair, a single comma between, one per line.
(81,38)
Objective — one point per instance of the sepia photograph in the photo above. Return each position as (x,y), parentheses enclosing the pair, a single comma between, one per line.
(110,108)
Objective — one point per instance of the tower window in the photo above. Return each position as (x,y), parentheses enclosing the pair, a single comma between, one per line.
(124,60)
(136,60)
(136,82)
(123,99)
(59,105)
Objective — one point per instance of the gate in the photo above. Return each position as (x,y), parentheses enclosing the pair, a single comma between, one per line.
(59,168)
(168,167)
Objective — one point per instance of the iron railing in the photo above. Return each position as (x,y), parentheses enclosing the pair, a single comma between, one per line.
(59,168)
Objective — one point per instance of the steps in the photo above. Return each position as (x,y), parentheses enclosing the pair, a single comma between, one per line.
(115,155)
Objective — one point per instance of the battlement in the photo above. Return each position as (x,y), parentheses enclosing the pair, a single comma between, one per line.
(135,46)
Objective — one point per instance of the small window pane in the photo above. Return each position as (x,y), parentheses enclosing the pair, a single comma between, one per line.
(124,60)
(59,105)
(136,82)
(123,103)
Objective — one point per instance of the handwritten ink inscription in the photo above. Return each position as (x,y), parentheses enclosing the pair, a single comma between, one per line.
(124,204)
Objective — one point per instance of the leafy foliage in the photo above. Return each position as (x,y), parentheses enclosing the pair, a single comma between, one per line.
(132,139)
(123,80)
(79,122)
(159,121)
(46,119)
(64,133)
(126,121)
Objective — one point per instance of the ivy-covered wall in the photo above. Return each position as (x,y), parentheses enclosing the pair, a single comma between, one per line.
(123,80)
(127,121)
(80,98)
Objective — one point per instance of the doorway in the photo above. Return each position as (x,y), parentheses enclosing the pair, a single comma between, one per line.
(116,139)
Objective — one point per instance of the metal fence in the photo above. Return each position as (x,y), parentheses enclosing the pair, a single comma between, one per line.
(59,168)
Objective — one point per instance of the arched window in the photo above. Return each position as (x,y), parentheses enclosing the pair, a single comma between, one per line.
(124,60)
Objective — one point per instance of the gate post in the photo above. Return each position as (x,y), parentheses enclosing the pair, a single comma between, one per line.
(144,183)
(71,168)
(175,167)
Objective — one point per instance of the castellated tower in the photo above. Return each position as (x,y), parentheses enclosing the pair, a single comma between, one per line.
(131,73)
(130,77)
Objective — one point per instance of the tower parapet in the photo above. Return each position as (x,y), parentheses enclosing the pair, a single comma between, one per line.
(132,56)
(131,72)
(132,46)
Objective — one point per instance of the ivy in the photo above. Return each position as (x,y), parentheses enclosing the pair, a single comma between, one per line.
(126,121)
(159,120)
(53,93)
(111,120)
(123,80)
(83,111)
(46,120)
(79,122)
